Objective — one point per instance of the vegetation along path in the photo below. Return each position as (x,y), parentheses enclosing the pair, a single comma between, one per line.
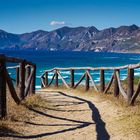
(71,116)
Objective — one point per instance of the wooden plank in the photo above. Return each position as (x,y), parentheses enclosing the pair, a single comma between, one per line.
(92,81)
(17,76)
(102,81)
(130,84)
(87,81)
(43,82)
(99,68)
(27,72)
(51,80)
(72,79)
(46,79)
(12,89)
(93,68)
(18,60)
(22,79)
(116,86)
(137,92)
(33,81)
(29,83)
(27,75)
(3,107)
(63,79)
(83,76)
(109,84)
(56,79)
(120,86)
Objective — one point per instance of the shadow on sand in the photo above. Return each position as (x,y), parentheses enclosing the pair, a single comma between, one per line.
(101,131)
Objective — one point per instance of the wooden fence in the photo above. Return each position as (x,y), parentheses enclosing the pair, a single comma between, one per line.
(25,81)
(129,93)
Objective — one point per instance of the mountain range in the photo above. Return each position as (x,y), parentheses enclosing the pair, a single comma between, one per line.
(121,39)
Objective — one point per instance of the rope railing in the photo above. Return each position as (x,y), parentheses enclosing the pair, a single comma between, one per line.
(24,81)
(115,81)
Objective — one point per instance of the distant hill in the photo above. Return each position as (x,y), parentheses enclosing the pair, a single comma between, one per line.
(121,39)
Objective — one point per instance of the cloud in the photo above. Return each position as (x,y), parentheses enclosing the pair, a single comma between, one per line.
(53,23)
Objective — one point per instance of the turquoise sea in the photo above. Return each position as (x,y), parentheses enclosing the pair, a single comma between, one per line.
(48,60)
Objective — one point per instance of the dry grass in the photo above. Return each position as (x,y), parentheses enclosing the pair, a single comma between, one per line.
(18,114)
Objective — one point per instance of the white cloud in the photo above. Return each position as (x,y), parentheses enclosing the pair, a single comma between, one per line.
(53,23)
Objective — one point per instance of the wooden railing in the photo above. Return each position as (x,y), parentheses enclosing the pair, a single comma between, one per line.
(129,93)
(24,82)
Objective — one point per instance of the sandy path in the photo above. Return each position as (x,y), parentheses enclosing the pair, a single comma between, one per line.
(66,118)
(71,117)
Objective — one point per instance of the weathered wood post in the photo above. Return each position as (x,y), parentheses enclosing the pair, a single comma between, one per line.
(22,79)
(72,78)
(46,79)
(42,80)
(87,81)
(102,81)
(3,108)
(28,71)
(56,79)
(17,76)
(27,74)
(130,84)
(33,82)
(116,86)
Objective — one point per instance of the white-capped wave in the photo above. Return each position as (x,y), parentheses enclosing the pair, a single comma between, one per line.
(137,73)
(95,73)
(38,87)
(65,72)
(65,77)
(51,73)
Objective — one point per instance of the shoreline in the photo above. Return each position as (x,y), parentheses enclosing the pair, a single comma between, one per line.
(46,51)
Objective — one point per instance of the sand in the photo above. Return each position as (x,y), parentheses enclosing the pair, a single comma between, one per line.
(69,116)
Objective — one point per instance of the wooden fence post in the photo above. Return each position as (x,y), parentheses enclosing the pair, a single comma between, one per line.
(72,78)
(27,73)
(46,79)
(22,79)
(42,80)
(3,108)
(87,82)
(56,79)
(116,86)
(17,76)
(33,82)
(102,81)
(130,84)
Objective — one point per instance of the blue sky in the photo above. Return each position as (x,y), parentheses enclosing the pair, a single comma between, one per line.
(19,16)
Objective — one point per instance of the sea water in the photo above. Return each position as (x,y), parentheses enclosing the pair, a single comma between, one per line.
(48,60)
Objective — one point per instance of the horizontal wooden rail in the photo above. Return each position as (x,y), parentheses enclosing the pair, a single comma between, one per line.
(130,66)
